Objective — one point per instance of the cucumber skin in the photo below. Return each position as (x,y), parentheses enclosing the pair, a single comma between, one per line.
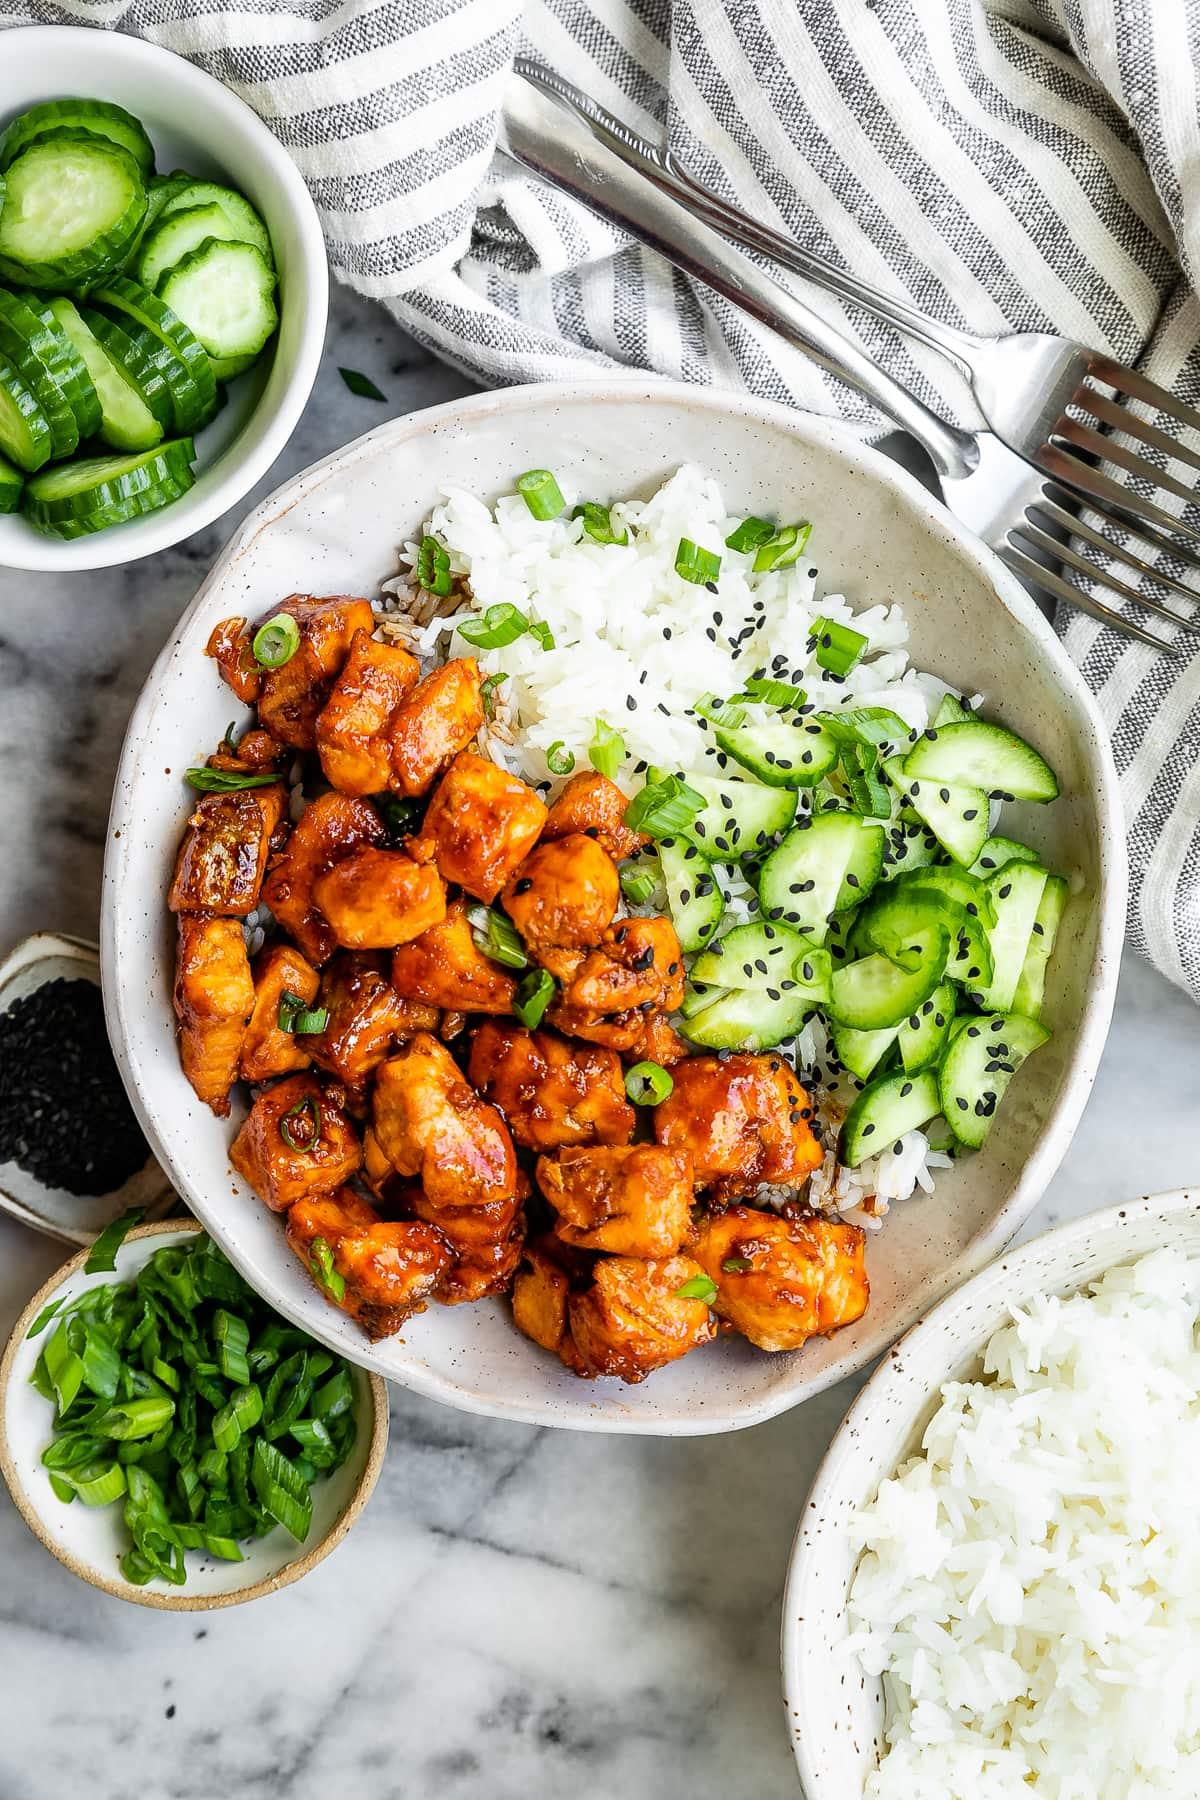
(192,385)
(865,1133)
(106,252)
(965,755)
(960,1081)
(116,428)
(909,990)
(152,500)
(38,443)
(136,361)
(12,483)
(73,376)
(72,115)
(19,330)
(103,482)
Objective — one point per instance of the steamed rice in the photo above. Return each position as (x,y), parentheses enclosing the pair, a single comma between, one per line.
(637,645)
(1029,1587)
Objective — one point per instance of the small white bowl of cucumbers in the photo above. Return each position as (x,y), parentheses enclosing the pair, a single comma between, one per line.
(163,296)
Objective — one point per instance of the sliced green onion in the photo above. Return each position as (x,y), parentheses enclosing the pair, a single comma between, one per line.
(876,725)
(487,693)
(499,625)
(61,1489)
(327,1278)
(597,523)
(433,567)
(542,632)
(102,1256)
(303,1139)
(736,1265)
(101,1363)
(534,994)
(497,937)
(637,885)
(696,564)
(664,808)
(44,1317)
(72,1449)
(541,493)
(129,1420)
(232,1337)
(725,713)
(276,642)
(868,794)
(774,693)
(401,816)
(335,1397)
(700,1287)
(99,1484)
(560,760)
(224,781)
(838,648)
(295,1015)
(313,1437)
(282,1492)
(64,1368)
(311,1021)
(163,1371)
(647,1083)
(749,534)
(227,1548)
(240,1414)
(606,752)
(783,548)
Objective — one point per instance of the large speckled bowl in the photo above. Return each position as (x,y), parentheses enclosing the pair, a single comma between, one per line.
(877,536)
(834,1715)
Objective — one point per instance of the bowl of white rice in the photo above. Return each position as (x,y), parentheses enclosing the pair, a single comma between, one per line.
(634,643)
(995,1586)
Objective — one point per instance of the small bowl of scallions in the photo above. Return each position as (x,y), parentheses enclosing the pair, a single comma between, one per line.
(169,1437)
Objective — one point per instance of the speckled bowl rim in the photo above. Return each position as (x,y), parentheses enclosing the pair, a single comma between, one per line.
(845,1454)
(173,1601)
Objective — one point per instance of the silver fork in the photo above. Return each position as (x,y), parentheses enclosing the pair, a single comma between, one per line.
(988,477)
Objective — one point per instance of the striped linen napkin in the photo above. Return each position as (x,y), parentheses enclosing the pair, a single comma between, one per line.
(1006,164)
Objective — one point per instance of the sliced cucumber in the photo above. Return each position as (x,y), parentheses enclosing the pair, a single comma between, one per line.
(187,372)
(862,1051)
(979,1065)
(1031,987)
(766,959)
(749,1020)
(739,818)
(839,932)
(956,814)
(228,368)
(954,885)
(997,853)
(950,711)
(827,863)
(874,992)
(94,118)
(177,236)
(975,754)
(1016,895)
(126,422)
(117,513)
(971,962)
(63,362)
(884,1112)
(72,208)
(225,293)
(25,432)
(909,845)
(695,897)
(924,1035)
(247,226)
(139,358)
(12,481)
(28,343)
(782,755)
(95,484)
(159,190)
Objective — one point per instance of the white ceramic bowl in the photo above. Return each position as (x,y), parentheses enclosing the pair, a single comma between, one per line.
(834,1717)
(198,125)
(91,1540)
(878,535)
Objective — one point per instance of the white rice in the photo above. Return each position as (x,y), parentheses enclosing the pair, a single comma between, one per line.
(636,645)
(1029,1587)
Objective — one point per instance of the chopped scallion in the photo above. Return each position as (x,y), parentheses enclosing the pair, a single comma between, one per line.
(696,564)
(327,1278)
(663,808)
(647,1083)
(541,493)
(487,693)
(725,713)
(637,885)
(597,523)
(736,1265)
(783,548)
(433,567)
(534,994)
(499,625)
(300,1126)
(606,752)
(774,693)
(560,760)
(838,648)
(749,534)
(496,936)
(700,1287)
(276,642)
(361,384)
(224,781)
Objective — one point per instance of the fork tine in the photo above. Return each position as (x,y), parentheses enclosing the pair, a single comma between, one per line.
(1119,516)
(1137,387)
(1078,528)
(1028,570)
(1098,486)
(1063,553)
(1121,419)
(1094,443)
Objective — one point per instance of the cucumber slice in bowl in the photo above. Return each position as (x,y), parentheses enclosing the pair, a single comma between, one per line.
(246,225)
(862,1051)
(747,1019)
(1016,897)
(225,293)
(1031,987)
(175,237)
(12,482)
(923,1037)
(100,484)
(780,754)
(975,754)
(997,853)
(981,1061)
(874,992)
(187,370)
(765,959)
(126,422)
(94,118)
(955,813)
(25,433)
(695,898)
(72,208)
(739,818)
(118,513)
(30,345)
(827,863)
(885,1111)
(139,358)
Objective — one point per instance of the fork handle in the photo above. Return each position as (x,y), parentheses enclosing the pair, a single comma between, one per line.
(557,143)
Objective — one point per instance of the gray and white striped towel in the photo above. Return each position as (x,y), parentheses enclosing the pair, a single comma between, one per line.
(1008,164)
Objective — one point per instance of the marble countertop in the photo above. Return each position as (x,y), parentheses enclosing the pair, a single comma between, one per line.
(520,1612)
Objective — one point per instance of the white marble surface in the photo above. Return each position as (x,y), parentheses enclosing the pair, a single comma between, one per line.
(521,1614)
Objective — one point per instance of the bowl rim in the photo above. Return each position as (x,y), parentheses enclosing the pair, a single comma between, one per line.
(173,1600)
(857,1425)
(862,460)
(172,524)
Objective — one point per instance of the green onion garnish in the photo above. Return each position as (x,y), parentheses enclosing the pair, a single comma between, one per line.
(240,1414)
(725,713)
(61,1489)
(696,564)
(560,760)
(487,693)
(327,1278)
(749,534)
(44,1317)
(876,725)
(499,625)
(837,647)
(496,935)
(663,808)
(700,1287)
(302,1137)
(128,1420)
(736,1265)
(647,1083)
(98,1484)
(541,493)
(783,548)
(64,1369)
(401,816)
(868,794)
(597,523)
(433,567)
(282,1492)
(774,693)
(311,1020)
(606,752)
(224,781)
(534,994)
(539,629)
(232,1336)
(276,642)
(637,885)
(103,1254)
